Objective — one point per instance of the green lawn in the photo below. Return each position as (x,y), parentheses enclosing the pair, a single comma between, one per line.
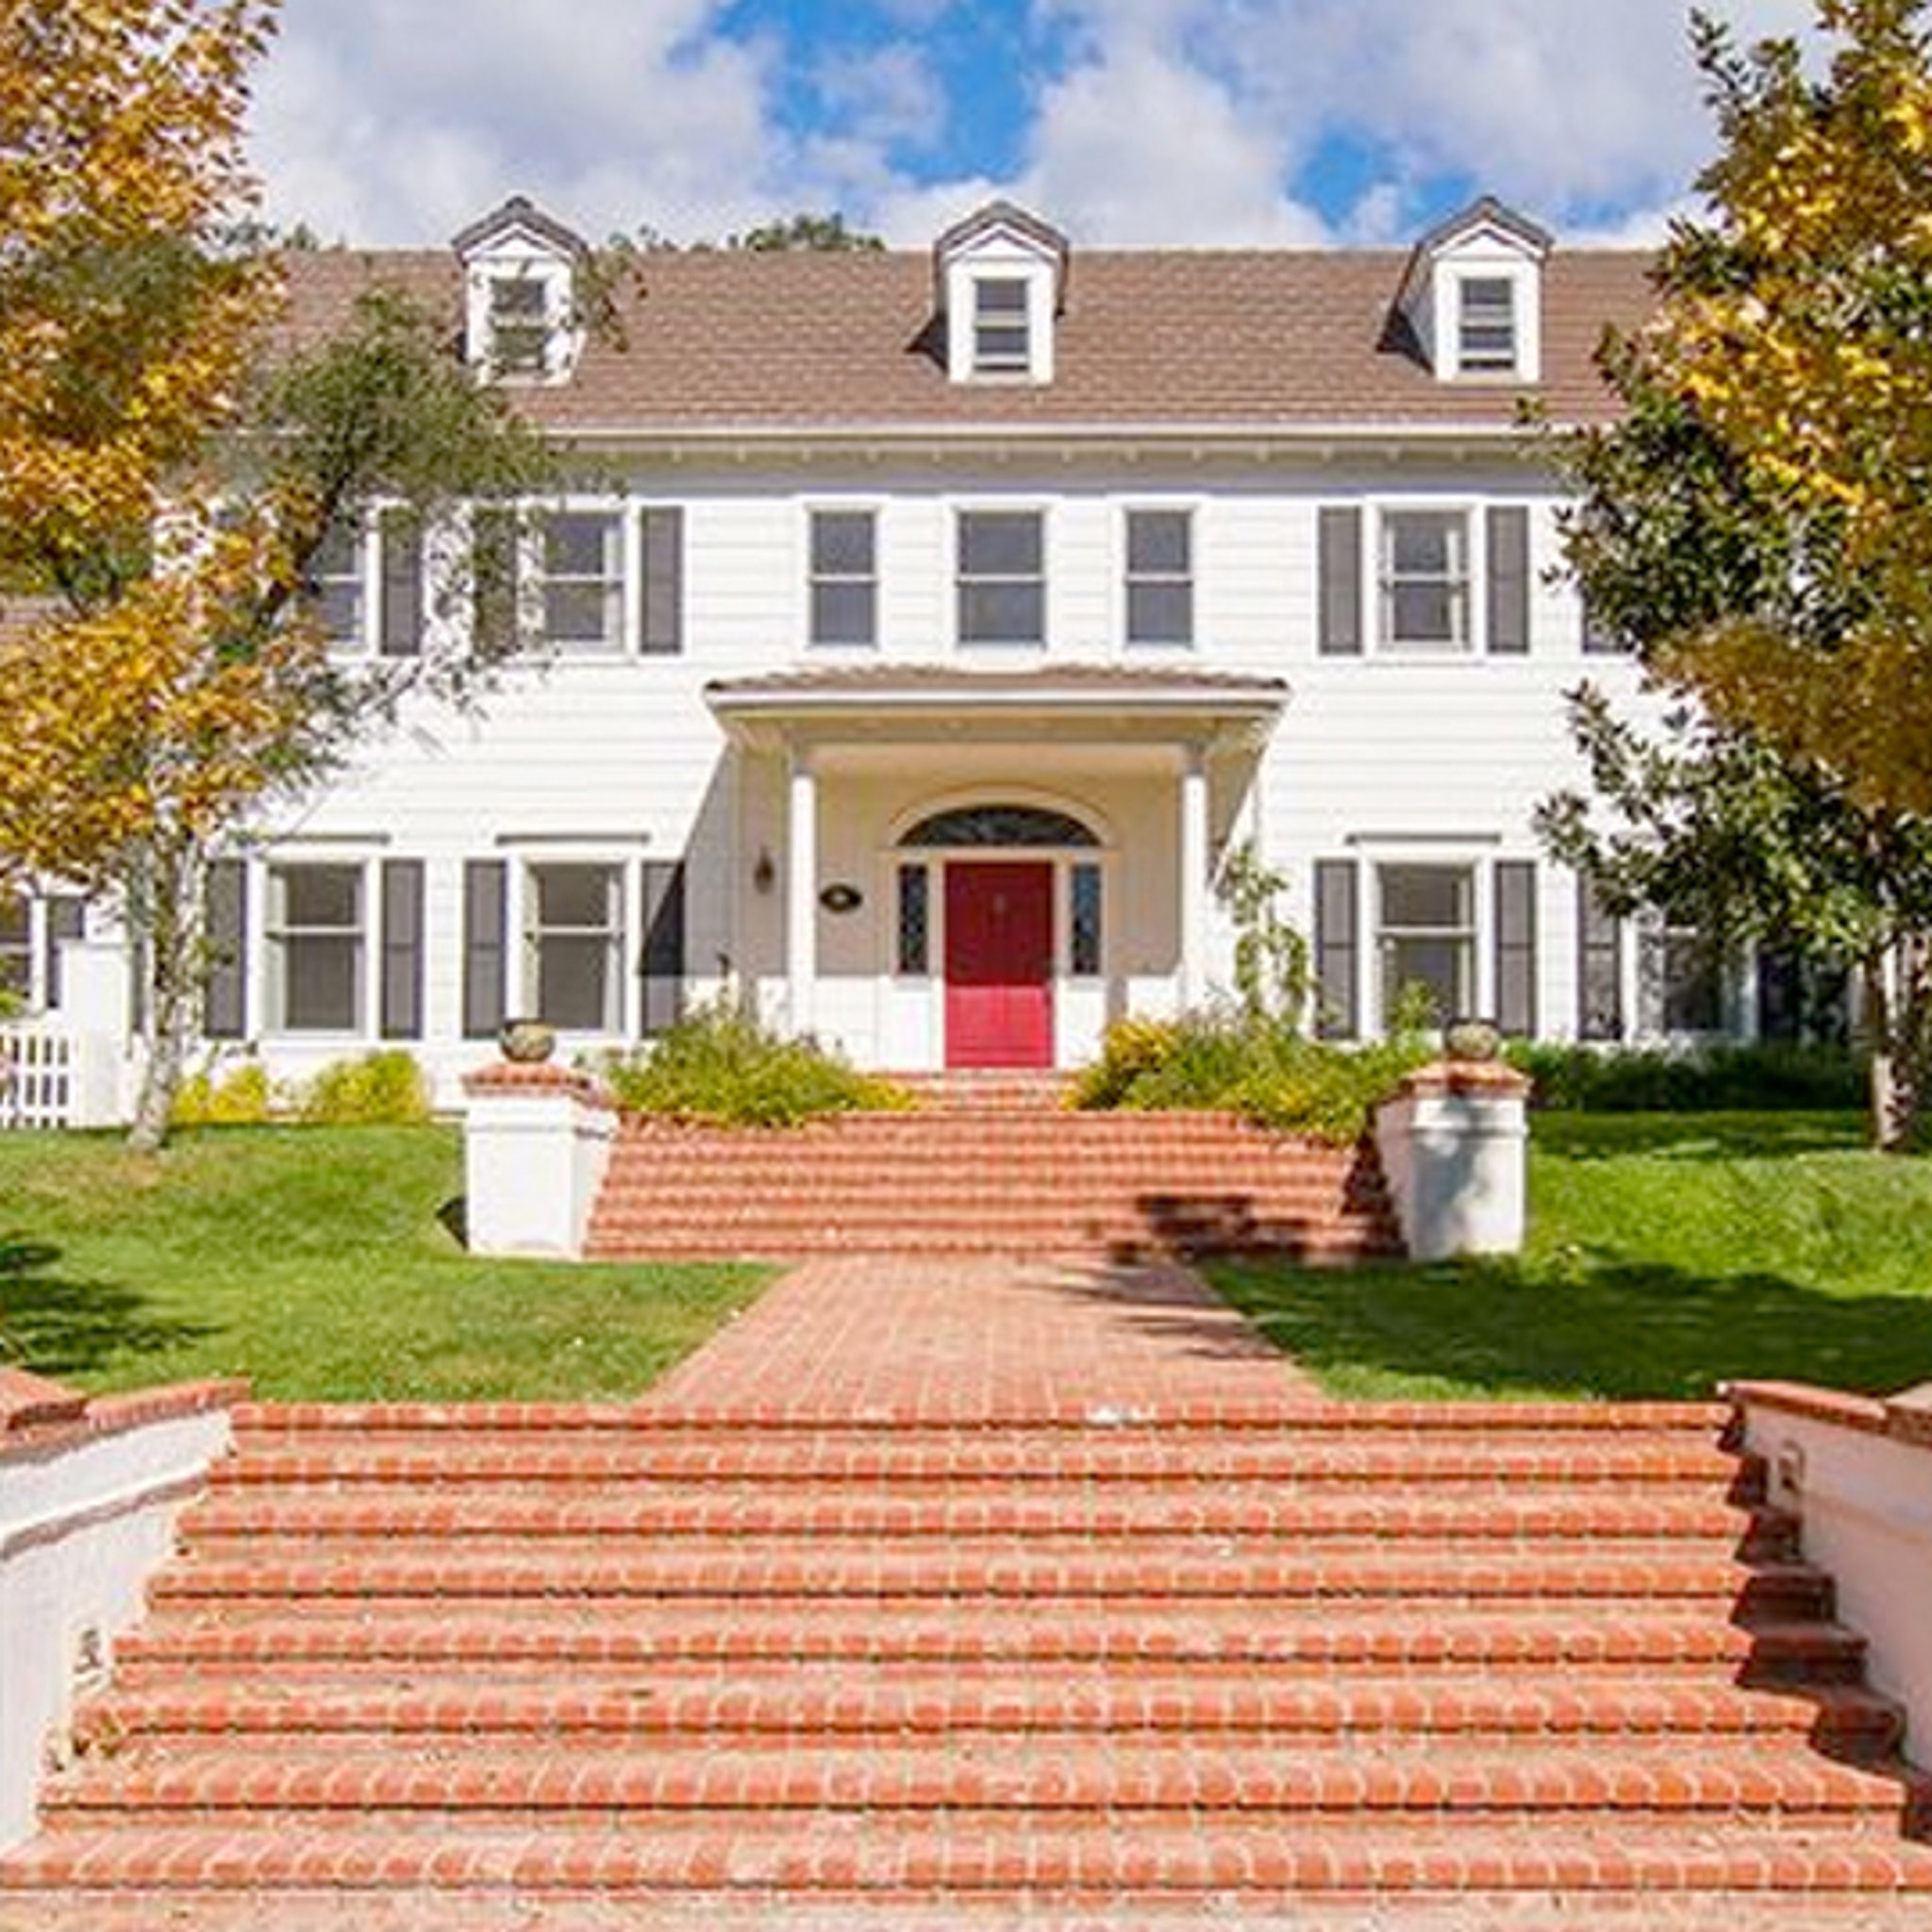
(1667,1253)
(317,1262)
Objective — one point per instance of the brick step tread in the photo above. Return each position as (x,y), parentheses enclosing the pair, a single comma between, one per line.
(769,1861)
(1501,1514)
(786,1248)
(1319,1638)
(1567,1420)
(831,1570)
(898,1699)
(1514,1776)
(1034,1188)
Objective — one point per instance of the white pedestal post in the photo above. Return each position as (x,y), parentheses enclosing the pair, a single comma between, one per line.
(1454,1147)
(536,1144)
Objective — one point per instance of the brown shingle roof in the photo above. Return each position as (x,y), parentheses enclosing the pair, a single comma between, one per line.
(748,341)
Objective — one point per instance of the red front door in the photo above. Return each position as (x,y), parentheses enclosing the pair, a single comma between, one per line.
(999,964)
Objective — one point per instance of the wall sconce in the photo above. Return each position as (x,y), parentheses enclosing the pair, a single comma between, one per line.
(764,874)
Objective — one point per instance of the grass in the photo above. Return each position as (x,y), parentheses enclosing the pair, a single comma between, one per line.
(317,1262)
(1667,1253)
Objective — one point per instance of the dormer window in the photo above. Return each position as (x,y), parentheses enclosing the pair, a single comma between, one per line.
(522,299)
(1486,326)
(1001,340)
(1473,296)
(1001,281)
(519,326)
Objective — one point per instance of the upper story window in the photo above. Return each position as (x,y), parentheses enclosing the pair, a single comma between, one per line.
(520,269)
(518,325)
(1160,576)
(1002,341)
(1001,283)
(844,577)
(1426,580)
(1002,577)
(17,945)
(581,581)
(367,582)
(1486,326)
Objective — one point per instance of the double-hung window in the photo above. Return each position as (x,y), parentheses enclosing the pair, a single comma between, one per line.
(1424,570)
(1425,936)
(366,583)
(1486,326)
(518,325)
(574,941)
(16,944)
(1160,576)
(1002,342)
(580,573)
(844,577)
(317,935)
(1002,576)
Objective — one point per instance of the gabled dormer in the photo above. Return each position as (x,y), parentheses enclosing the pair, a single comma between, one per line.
(1002,276)
(1473,295)
(522,303)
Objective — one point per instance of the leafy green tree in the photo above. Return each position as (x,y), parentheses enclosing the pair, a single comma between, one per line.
(805,233)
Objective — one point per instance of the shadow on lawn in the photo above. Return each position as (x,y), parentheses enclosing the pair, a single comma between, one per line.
(1581,1323)
(1698,1136)
(58,1326)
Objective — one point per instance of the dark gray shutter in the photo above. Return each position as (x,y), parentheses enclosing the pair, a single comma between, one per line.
(485,950)
(661,956)
(663,582)
(1338,952)
(402,949)
(1599,966)
(224,993)
(493,580)
(1509,546)
(66,919)
(1515,914)
(1341,582)
(402,585)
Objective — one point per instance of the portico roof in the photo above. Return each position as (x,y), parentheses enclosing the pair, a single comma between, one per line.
(1089,701)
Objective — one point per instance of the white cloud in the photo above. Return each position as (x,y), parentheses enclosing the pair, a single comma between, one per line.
(1197,121)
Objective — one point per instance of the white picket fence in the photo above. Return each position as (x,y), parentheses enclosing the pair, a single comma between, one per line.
(50,1080)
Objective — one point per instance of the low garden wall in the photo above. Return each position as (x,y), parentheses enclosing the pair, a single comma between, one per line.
(1857,1473)
(90,1491)
(1454,1141)
(537,1141)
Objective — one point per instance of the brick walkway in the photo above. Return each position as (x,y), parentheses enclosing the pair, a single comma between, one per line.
(982,1337)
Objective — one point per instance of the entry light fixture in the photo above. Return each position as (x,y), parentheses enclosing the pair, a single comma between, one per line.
(764,874)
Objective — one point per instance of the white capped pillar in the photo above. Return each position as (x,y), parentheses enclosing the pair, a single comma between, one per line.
(1193,894)
(801,892)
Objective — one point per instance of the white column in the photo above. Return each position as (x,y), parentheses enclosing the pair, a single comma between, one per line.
(801,892)
(1193,894)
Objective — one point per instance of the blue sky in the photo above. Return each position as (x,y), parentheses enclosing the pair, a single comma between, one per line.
(1126,122)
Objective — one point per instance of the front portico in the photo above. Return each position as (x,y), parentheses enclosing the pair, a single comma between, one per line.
(937,868)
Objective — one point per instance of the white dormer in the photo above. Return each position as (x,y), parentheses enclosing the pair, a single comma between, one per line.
(1473,295)
(522,306)
(1002,276)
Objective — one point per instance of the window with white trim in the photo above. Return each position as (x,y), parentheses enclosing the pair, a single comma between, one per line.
(1002,335)
(317,945)
(574,940)
(366,583)
(1423,571)
(17,945)
(1160,576)
(844,588)
(1425,936)
(1486,333)
(581,580)
(1002,576)
(338,585)
(518,325)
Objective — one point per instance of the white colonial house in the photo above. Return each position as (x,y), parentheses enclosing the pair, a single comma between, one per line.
(924,631)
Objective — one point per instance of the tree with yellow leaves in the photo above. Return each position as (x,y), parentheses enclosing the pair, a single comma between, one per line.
(170,473)
(1784,575)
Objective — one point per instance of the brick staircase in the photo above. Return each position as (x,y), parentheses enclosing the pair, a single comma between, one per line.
(626,1657)
(990,1163)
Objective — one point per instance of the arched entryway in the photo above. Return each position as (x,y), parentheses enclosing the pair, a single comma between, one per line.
(1018,890)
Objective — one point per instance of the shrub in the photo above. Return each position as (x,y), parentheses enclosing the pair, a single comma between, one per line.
(720,1063)
(1722,1077)
(383,1089)
(1252,1065)
(241,1097)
